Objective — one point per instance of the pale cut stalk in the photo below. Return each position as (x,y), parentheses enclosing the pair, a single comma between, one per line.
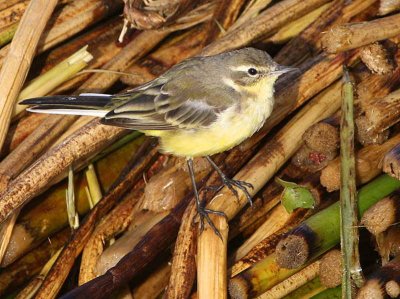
(294,28)
(12,14)
(19,58)
(94,186)
(6,229)
(354,35)
(30,290)
(388,6)
(212,264)
(264,24)
(59,74)
(292,283)
(276,219)
(368,164)
(262,167)
(70,201)
(349,237)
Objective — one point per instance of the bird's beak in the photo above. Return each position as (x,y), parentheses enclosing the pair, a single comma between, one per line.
(281,69)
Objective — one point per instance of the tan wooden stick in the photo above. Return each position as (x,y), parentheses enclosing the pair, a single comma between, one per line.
(18,60)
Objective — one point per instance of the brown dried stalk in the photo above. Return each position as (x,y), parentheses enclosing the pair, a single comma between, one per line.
(264,24)
(128,178)
(330,269)
(12,14)
(224,16)
(155,284)
(183,269)
(351,36)
(382,215)
(309,40)
(17,63)
(388,6)
(391,162)
(277,218)
(377,58)
(385,112)
(156,63)
(101,44)
(373,287)
(32,147)
(368,164)
(20,272)
(36,178)
(21,129)
(73,18)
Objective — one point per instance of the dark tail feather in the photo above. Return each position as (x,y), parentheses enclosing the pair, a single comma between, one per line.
(90,104)
(88,100)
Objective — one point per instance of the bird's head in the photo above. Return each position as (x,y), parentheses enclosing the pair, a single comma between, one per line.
(252,70)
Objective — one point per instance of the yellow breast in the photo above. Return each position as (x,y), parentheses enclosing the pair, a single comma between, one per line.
(232,127)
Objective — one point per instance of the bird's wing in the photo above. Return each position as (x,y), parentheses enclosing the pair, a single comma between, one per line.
(168,104)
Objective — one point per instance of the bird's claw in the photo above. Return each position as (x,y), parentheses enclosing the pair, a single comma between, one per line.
(242,185)
(203,214)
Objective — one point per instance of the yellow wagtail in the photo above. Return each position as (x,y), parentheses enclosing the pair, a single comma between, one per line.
(200,107)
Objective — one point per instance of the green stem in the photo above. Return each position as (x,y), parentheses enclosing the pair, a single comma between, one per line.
(333,293)
(7,34)
(349,237)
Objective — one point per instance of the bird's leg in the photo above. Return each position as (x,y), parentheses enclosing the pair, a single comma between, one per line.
(230,183)
(201,210)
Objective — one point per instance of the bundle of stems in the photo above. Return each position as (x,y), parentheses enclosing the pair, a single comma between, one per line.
(310,239)
(131,229)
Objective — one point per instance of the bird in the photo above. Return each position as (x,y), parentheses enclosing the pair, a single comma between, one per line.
(202,106)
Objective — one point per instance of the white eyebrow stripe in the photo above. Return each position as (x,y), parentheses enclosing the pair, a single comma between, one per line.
(241,68)
(230,83)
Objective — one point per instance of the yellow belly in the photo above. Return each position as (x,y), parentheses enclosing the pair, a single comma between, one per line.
(231,128)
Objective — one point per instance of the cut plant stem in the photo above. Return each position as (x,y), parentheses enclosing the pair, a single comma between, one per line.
(62,72)
(93,185)
(349,237)
(388,6)
(374,286)
(354,35)
(391,162)
(320,233)
(212,265)
(30,290)
(368,164)
(293,282)
(384,112)
(264,24)
(183,269)
(73,217)
(330,269)
(18,274)
(294,28)
(130,175)
(17,63)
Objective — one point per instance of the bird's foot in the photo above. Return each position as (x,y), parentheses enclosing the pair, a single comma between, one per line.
(242,185)
(204,216)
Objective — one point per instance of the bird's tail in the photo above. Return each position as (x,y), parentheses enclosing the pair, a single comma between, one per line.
(91,104)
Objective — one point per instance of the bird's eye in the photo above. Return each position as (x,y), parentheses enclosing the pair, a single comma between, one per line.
(252,71)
